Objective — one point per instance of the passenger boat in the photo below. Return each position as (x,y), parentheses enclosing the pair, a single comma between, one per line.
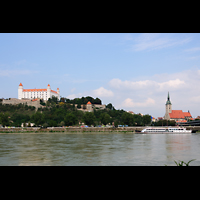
(166,130)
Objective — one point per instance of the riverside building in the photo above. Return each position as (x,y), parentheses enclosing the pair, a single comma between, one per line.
(44,94)
(177,115)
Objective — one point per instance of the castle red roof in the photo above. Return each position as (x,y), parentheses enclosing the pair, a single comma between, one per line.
(20,84)
(53,91)
(37,90)
(88,102)
(34,90)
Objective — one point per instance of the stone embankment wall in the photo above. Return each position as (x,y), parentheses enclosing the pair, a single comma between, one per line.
(96,129)
(15,101)
(79,129)
(73,129)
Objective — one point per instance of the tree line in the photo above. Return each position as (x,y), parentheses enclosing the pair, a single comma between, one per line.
(82,101)
(64,113)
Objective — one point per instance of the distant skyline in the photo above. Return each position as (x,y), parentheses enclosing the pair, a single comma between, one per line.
(133,71)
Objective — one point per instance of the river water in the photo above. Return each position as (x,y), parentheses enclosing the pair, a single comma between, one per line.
(99,149)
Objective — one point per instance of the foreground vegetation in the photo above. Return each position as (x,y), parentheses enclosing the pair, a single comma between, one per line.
(181,163)
(63,113)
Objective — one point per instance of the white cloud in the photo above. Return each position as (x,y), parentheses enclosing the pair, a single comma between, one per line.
(20,62)
(138,85)
(195,99)
(149,94)
(129,103)
(171,84)
(193,49)
(151,41)
(10,73)
(71,96)
(102,92)
(73,89)
(193,58)
(117,83)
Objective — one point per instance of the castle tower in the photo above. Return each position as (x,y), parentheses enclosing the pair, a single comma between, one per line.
(20,91)
(48,92)
(89,106)
(168,108)
(58,91)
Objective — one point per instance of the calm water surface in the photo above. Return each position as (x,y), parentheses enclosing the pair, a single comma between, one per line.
(98,149)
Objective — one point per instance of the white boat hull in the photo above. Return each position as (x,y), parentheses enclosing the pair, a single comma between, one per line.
(170,130)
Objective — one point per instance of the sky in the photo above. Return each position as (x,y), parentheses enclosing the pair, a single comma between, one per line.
(133,71)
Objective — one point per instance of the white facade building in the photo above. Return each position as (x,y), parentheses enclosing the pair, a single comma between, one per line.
(44,94)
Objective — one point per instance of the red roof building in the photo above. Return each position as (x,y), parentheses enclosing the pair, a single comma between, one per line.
(177,115)
(44,94)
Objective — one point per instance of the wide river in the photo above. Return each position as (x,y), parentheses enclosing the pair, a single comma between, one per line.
(100,149)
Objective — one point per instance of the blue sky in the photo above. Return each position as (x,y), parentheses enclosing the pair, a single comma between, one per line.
(133,71)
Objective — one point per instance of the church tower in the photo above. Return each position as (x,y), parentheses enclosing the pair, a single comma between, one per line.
(20,91)
(168,108)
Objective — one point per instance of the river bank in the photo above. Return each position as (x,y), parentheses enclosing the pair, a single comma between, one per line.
(76,129)
(70,129)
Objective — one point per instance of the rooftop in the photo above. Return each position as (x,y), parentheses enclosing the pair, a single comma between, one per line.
(34,90)
(179,114)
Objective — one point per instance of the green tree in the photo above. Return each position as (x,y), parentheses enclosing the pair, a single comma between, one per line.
(38,118)
(62,123)
(97,101)
(48,103)
(105,118)
(4,120)
(79,105)
(42,102)
(70,119)
(52,123)
(165,123)
(24,124)
(137,120)
(29,124)
(110,106)
(89,118)
(127,119)
(146,119)
(116,123)
(62,99)
(45,125)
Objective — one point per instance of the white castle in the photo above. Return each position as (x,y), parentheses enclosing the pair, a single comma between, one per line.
(44,94)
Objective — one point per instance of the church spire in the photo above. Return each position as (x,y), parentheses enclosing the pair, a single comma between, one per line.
(168,100)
